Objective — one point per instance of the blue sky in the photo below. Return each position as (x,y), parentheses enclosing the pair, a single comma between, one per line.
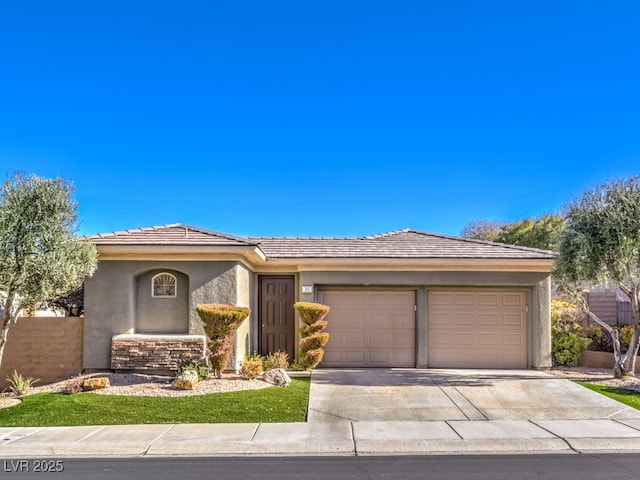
(319,118)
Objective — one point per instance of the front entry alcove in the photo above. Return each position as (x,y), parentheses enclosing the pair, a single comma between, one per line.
(162,302)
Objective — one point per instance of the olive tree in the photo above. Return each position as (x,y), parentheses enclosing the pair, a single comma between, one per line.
(40,255)
(600,245)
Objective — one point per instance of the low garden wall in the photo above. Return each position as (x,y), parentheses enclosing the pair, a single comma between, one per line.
(46,348)
(155,353)
(589,358)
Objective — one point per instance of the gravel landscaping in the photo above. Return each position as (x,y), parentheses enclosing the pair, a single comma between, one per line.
(598,376)
(142,385)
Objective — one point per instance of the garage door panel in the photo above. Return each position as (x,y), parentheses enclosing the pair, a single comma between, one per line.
(475,329)
(513,320)
(488,319)
(380,339)
(488,299)
(351,338)
(513,339)
(374,328)
(516,299)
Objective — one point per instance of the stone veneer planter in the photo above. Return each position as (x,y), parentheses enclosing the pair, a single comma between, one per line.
(155,353)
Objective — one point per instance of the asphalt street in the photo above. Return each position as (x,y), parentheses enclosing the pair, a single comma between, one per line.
(432,467)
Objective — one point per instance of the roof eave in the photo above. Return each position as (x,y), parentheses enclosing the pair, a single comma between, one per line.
(254,254)
(539,265)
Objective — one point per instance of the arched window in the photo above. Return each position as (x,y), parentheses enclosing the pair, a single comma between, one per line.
(163,285)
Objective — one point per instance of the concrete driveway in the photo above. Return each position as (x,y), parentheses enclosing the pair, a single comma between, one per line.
(411,394)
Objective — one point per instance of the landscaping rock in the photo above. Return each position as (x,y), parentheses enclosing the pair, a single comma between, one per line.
(187,380)
(97,383)
(277,376)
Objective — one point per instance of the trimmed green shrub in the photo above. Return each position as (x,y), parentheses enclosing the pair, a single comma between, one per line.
(567,341)
(313,339)
(275,360)
(220,325)
(251,367)
(314,342)
(313,328)
(199,368)
(311,312)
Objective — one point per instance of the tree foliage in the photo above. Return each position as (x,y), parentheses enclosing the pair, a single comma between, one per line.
(601,246)
(542,233)
(483,230)
(40,255)
(72,303)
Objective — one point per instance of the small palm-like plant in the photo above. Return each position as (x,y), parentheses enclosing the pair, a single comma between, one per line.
(20,385)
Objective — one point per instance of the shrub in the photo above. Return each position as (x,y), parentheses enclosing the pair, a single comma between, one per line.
(275,360)
(311,312)
(20,385)
(314,342)
(626,333)
(220,325)
(601,339)
(567,340)
(313,328)
(251,367)
(190,364)
(313,339)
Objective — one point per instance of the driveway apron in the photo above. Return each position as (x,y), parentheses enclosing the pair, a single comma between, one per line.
(422,395)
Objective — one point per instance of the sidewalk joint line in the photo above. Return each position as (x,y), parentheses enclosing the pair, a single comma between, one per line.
(331,415)
(616,413)
(255,432)
(90,434)
(555,435)
(353,439)
(624,424)
(454,430)
(443,382)
(146,450)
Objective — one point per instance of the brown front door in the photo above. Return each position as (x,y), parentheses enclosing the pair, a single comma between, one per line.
(277,328)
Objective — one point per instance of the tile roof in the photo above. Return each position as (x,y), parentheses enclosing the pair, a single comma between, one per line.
(399,244)
(174,234)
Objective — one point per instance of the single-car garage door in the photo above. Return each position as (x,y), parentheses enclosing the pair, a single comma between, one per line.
(477,329)
(370,328)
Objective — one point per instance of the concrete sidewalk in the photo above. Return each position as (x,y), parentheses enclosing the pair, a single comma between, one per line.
(341,438)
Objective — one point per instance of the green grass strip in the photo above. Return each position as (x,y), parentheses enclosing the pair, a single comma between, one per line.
(622,395)
(268,405)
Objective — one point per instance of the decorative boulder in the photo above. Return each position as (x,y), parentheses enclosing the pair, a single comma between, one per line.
(187,380)
(97,383)
(277,376)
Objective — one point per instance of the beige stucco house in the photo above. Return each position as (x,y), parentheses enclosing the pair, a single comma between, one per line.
(399,299)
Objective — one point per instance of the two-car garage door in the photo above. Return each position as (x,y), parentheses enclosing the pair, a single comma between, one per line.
(465,328)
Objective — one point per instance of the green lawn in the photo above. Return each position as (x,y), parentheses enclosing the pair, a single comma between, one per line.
(267,405)
(622,395)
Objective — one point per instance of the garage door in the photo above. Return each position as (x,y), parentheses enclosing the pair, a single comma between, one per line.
(476,329)
(370,329)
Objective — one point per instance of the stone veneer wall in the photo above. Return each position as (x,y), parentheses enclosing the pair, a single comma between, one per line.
(159,353)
